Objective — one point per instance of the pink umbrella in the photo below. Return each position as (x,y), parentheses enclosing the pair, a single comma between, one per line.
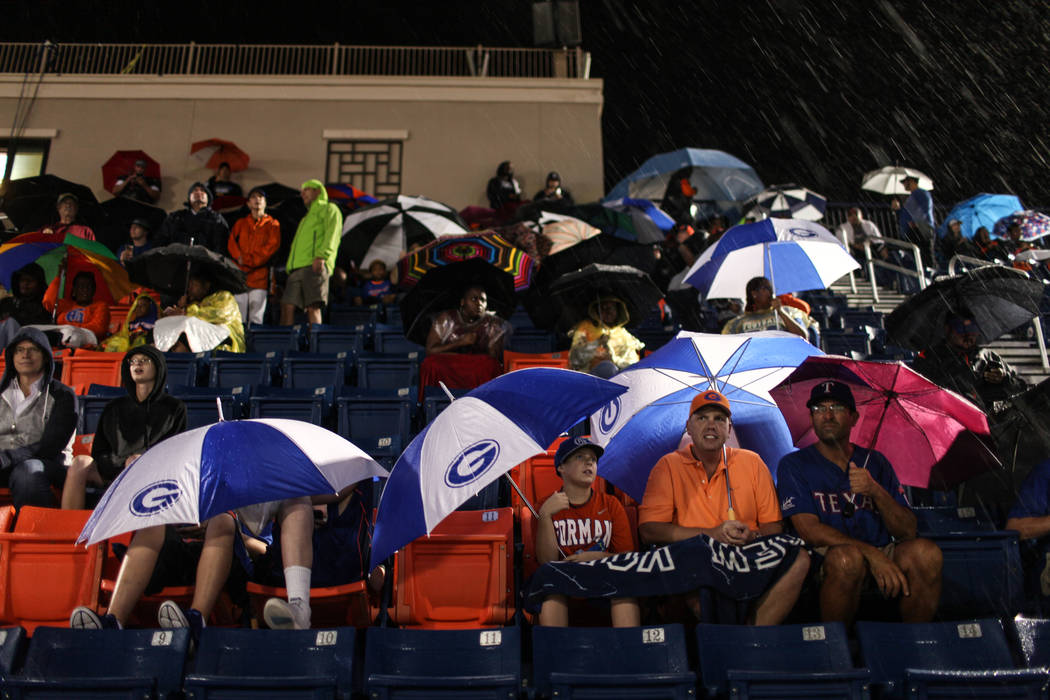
(932,436)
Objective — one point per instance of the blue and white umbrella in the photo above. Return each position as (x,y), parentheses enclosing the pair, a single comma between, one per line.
(715,175)
(649,420)
(794,255)
(474,441)
(788,202)
(651,223)
(195,475)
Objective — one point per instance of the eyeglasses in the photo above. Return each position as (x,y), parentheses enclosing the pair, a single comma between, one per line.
(140,361)
(824,409)
(28,350)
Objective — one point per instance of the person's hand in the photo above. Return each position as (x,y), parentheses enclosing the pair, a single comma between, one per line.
(125,255)
(733,532)
(888,576)
(776,304)
(318,265)
(468,339)
(994,375)
(861,481)
(171,311)
(129,460)
(558,502)
(895,204)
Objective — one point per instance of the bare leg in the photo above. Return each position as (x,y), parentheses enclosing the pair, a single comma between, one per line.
(287,314)
(625,612)
(80,473)
(297,531)
(776,603)
(844,572)
(313,315)
(555,611)
(214,566)
(135,571)
(921,561)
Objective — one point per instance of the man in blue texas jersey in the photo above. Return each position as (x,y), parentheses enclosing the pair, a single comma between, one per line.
(846,502)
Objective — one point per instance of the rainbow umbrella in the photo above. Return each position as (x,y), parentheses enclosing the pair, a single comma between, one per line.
(489,247)
(49,251)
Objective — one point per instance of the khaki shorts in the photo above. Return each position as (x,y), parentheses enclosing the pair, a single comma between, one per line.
(306,288)
(869,581)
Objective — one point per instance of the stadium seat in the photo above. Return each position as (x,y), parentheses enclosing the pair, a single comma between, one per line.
(184,367)
(43,574)
(1032,639)
(230,369)
(851,318)
(12,650)
(82,444)
(349,339)
(309,405)
(521,320)
(91,403)
(982,575)
(306,370)
(654,337)
(435,401)
(330,606)
(63,662)
(843,342)
(117,314)
(460,576)
(531,341)
(389,338)
(246,663)
(945,659)
(346,315)
(391,314)
(377,421)
(944,520)
(630,662)
(381,371)
(200,403)
(520,360)
(262,338)
(536,477)
(83,368)
(783,661)
(450,664)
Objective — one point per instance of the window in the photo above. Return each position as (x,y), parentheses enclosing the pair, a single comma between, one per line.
(370,165)
(23,157)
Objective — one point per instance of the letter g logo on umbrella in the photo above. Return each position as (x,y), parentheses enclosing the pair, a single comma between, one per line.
(158,496)
(471,463)
(608,416)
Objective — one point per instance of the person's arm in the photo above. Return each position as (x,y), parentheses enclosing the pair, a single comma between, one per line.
(233,244)
(328,238)
(121,184)
(900,521)
(58,428)
(1030,528)
(546,537)
(788,323)
(728,532)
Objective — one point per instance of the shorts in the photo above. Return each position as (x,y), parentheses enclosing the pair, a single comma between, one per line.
(258,516)
(869,581)
(305,288)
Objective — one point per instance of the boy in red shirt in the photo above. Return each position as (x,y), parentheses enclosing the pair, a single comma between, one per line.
(580,524)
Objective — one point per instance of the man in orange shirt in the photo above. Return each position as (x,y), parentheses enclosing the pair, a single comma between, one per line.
(253,241)
(688,494)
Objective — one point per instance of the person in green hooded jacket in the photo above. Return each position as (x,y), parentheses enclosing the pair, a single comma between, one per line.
(312,257)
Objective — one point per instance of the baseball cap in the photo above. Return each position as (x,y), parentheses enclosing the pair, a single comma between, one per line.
(710,398)
(67,195)
(835,391)
(963,326)
(909,177)
(567,447)
(260,190)
(553,175)
(141,222)
(142,162)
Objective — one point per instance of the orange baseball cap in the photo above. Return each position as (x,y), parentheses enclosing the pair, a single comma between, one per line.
(710,398)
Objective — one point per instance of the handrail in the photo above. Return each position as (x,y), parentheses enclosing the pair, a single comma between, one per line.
(871,263)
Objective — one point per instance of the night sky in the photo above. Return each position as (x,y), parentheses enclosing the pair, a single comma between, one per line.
(804,91)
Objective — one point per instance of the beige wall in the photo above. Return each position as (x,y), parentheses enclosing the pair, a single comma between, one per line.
(457,129)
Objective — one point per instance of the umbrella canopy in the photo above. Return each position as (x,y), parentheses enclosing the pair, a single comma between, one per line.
(442,287)
(348,198)
(277,192)
(795,255)
(30,202)
(931,436)
(1034,225)
(789,202)
(201,336)
(120,212)
(887,179)
(571,295)
(78,254)
(564,231)
(166,268)
(647,223)
(123,162)
(716,176)
(649,420)
(213,152)
(474,441)
(981,210)
(998,298)
(385,230)
(489,247)
(195,475)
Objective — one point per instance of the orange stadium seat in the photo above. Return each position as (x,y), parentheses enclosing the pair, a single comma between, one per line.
(86,367)
(459,577)
(82,445)
(117,314)
(330,606)
(519,360)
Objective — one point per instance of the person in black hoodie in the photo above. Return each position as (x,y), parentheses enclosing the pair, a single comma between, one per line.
(26,304)
(129,425)
(198,221)
(38,416)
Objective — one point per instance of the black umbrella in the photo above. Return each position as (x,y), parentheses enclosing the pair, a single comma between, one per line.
(571,295)
(443,287)
(30,202)
(998,298)
(166,269)
(120,212)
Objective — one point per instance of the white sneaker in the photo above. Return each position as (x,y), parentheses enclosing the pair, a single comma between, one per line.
(287,615)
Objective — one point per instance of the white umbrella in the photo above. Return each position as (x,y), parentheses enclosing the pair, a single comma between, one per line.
(887,180)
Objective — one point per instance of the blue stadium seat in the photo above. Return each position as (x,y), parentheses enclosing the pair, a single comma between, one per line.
(200,403)
(942,520)
(90,405)
(306,370)
(241,369)
(442,663)
(1032,639)
(378,421)
(435,401)
(843,342)
(101,664)
(532,341)
(12,649)
(606,662)
(391,339)
(261,338)
(852,318)
(945,659)
(184,367)
(982,575)
(521,320)
(308,404)
(349,339)
(348,315)
(784,661)
(381,371)
(391,314)
(246,663)
(654,337)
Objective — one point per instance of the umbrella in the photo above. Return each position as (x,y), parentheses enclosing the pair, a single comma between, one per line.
(998,298)
(30,202)
(201,336)
(120,212)
(479,437)
(78,254)
(165,269)
(277,192)
(442,287)
(489,247)
(981,210)
(212,152)
(348,198)
(385,230)
(647,222)
(920,427)
(1034,225)
(564,231)
(648,421)
(716,176)
(789,202)
(571,295)
(794,255)
(887,179)
(200,473)
(123,162)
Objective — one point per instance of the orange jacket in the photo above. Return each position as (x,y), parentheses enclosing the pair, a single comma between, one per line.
(252,244)
(94,316)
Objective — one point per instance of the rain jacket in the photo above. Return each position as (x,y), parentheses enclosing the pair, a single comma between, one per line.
(134,333)
(129,426)
(252,244)
(206,227)
(318,234)
(44,429)
(221,308)
(588,349)
(964,374)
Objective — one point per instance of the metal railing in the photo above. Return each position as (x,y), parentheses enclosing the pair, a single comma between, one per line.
(280,59)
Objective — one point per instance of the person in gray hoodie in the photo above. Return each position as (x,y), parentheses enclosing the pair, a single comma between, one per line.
(38,417)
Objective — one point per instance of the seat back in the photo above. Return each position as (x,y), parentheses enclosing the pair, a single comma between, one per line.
(843,342)
(183,367)
(117,314)
(376,423)
(460,576)
(348,339)
(388,371)
(86,367)
(91,403)
(1032,640)
(531,341)
(943,520)
(520,360)
(260,338)
(297,404)
(200,403)
(12,650)
(241,369)
(290,661)
(309,370)
(982,575)
(617,663)
(389,338)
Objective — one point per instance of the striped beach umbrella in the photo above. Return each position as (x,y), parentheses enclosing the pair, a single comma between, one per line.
(78,254)
(489,247)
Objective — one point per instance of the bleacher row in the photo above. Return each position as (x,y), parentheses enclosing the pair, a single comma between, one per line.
(978,658)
